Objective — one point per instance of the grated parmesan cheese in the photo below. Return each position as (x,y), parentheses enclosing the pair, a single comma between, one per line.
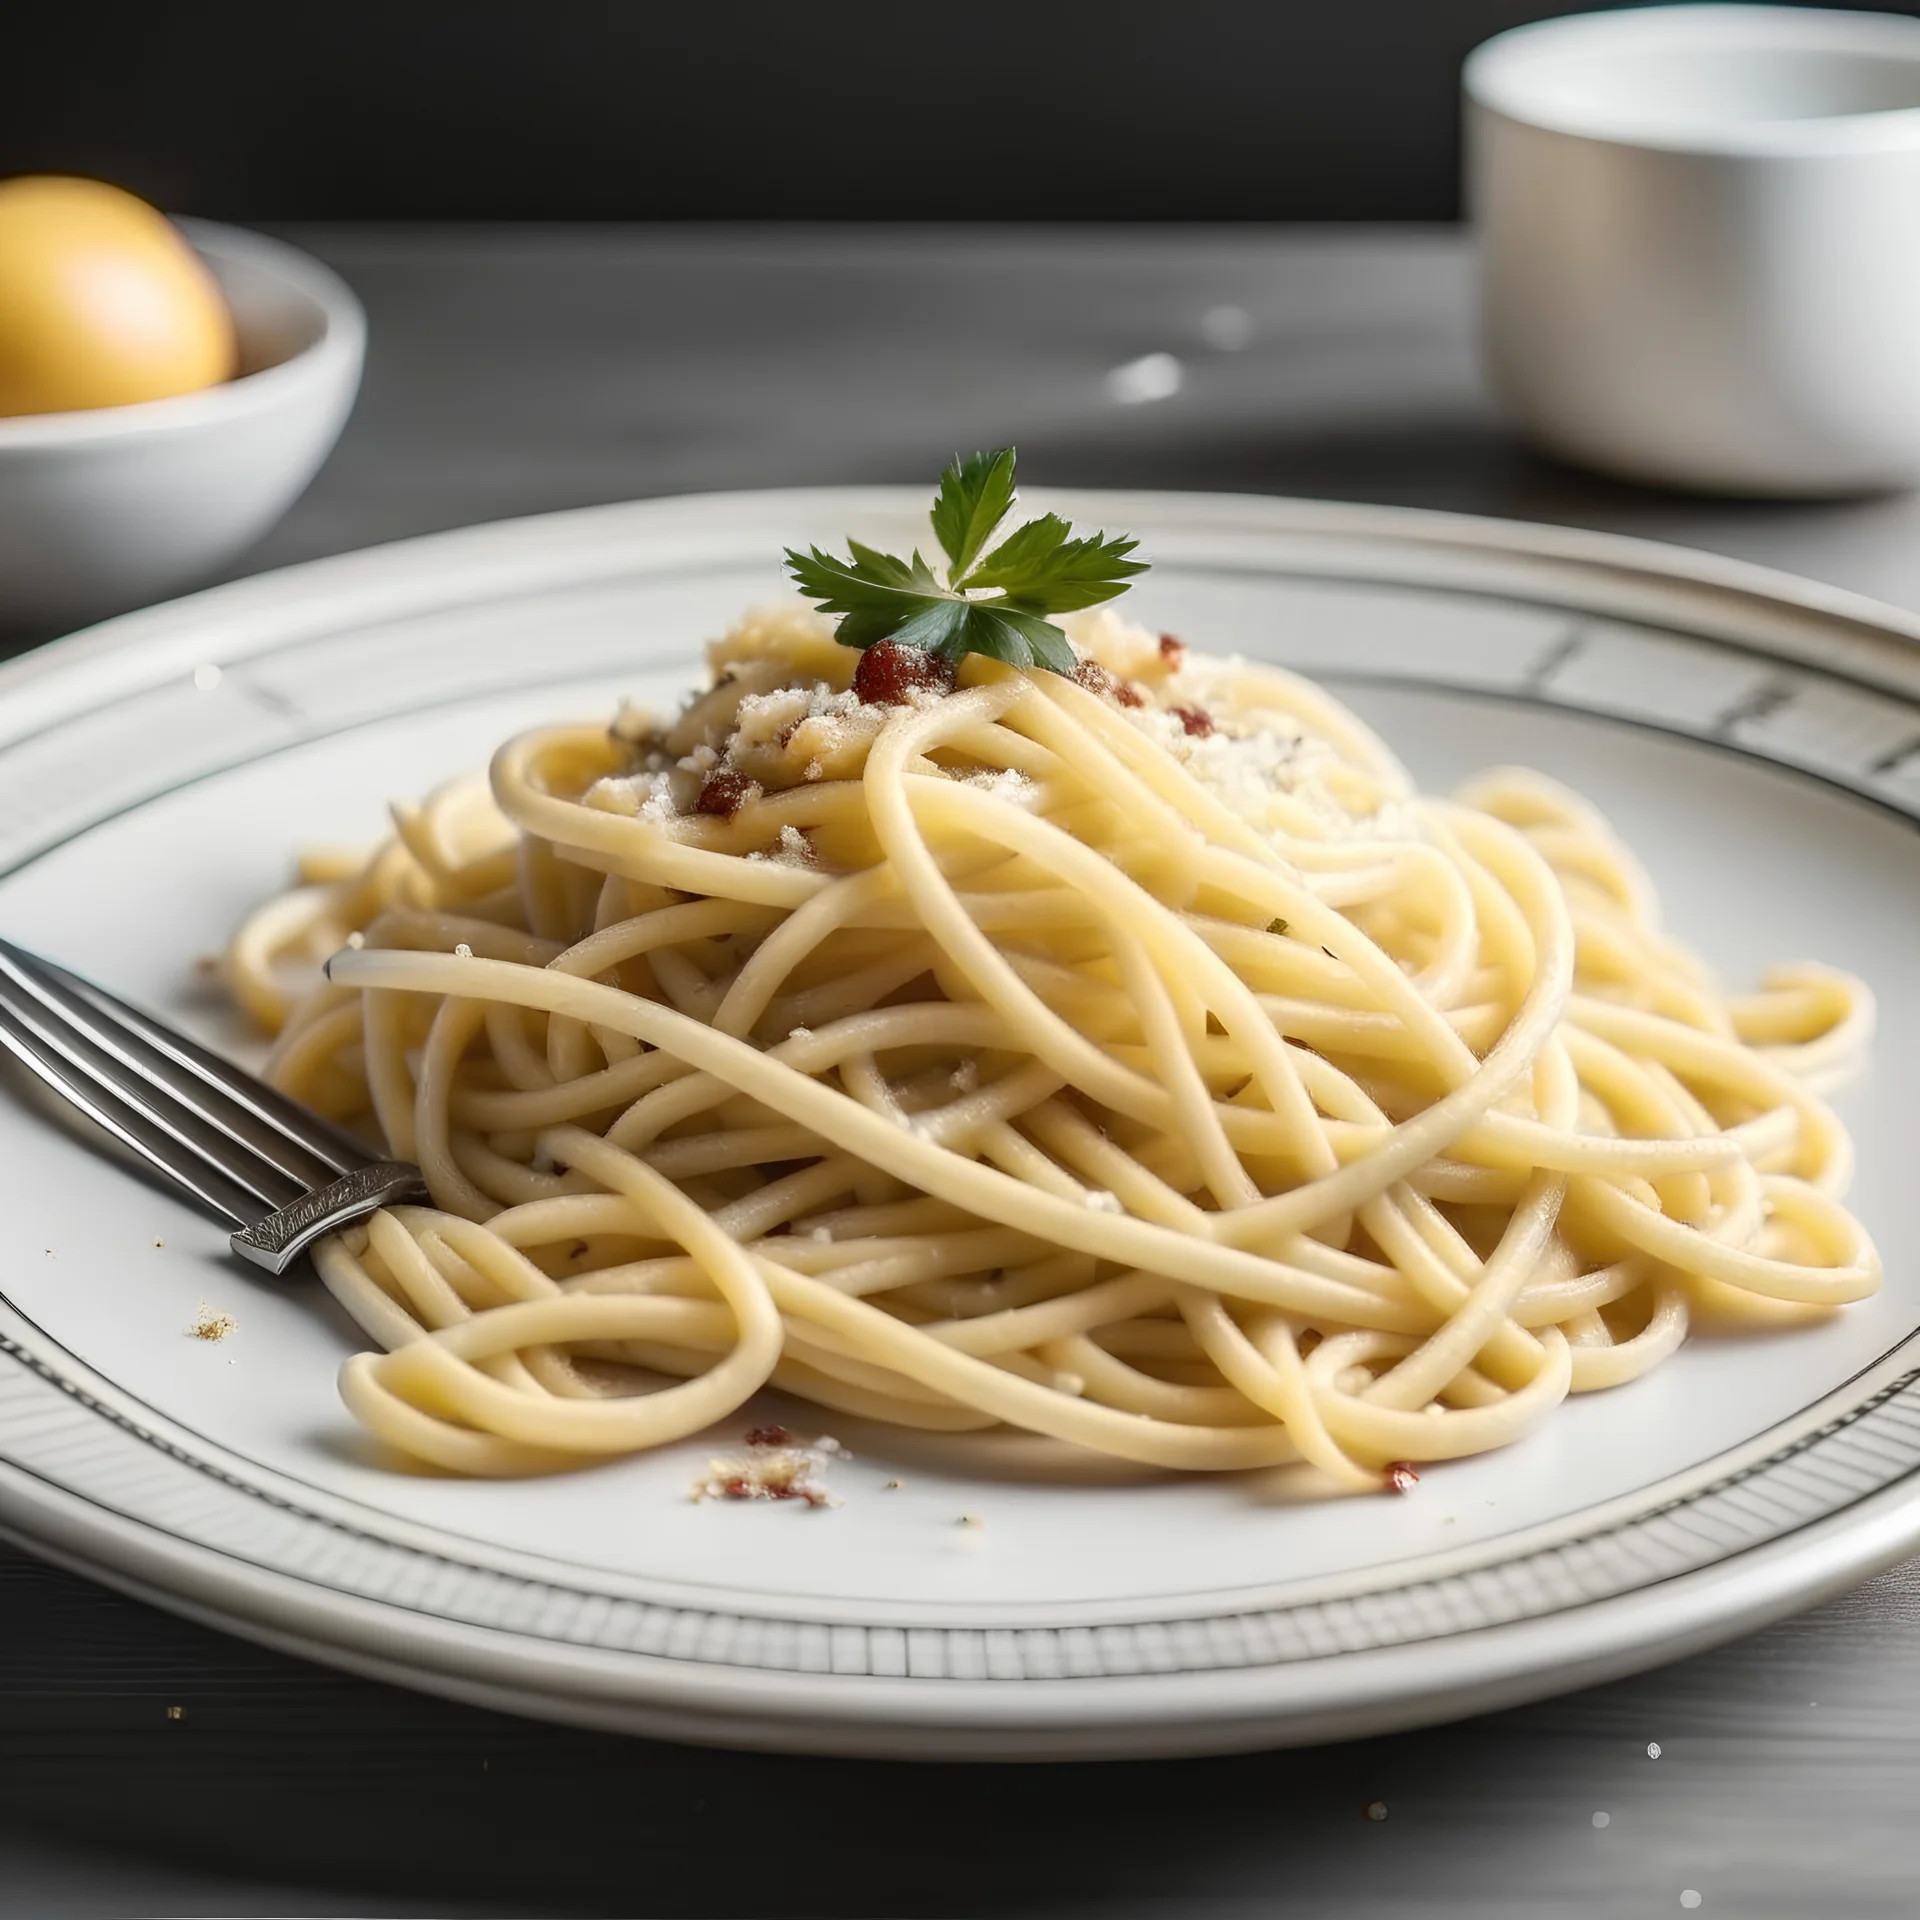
(792,849)
(1004,783)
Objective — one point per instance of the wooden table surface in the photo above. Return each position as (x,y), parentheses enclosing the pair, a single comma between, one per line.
(513,371)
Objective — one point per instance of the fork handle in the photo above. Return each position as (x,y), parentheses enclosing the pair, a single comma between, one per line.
(279,1240)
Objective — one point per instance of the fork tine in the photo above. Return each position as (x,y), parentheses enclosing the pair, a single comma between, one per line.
(297,1141)
(234,1160)
(113,1116)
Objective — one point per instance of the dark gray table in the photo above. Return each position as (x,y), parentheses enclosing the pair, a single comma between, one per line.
(516,370)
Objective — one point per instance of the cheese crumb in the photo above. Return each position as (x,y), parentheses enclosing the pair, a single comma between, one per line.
(1004,783)
(463,951)
(1101,1201)
(769,1473)
(210,1326)
(792,849)
(659,805)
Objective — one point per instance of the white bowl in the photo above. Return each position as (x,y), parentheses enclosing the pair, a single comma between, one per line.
(112,507)
(1698,230)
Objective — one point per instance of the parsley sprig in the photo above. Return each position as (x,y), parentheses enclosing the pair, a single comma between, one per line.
(993,599)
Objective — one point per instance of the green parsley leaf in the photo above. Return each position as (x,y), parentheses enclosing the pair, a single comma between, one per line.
(1043,571)
(976,494)
(876,594)
(1037,570)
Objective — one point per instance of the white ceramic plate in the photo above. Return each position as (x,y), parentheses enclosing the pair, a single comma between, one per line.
(1757,739)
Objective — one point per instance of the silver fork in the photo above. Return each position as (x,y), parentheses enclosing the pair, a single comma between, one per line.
(282,1175)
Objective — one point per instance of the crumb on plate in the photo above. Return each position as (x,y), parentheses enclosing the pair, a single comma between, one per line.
(775,1466)
(208,1325)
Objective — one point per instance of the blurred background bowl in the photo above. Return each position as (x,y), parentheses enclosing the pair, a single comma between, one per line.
(116,506)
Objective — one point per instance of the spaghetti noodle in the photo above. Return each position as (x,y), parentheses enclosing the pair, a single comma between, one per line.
(1134,1059)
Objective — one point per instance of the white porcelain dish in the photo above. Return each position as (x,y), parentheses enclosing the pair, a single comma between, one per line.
(115,506)
(1756,738)
(1696,226)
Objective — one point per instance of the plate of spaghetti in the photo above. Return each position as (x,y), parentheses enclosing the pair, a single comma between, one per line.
(1274,1121)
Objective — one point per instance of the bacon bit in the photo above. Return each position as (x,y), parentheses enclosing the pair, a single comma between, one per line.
(578,1251)
(775,1436)
(1109,686)
(1173,650)
(890,673)
(1197,720)
(1401,1476)
(724,792)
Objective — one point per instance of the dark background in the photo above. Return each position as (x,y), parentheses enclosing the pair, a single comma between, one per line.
(729,109)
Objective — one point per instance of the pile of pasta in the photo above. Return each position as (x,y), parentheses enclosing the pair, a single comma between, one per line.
(1132,1058)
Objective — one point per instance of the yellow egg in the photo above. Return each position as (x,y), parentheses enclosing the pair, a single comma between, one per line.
(102,303)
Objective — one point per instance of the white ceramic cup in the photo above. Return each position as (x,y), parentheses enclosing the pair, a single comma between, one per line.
(1700,243)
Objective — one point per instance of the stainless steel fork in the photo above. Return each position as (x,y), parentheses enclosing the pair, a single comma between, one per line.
(282,1175)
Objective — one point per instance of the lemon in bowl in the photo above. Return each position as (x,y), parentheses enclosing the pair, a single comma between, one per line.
(166,391)
(102,302)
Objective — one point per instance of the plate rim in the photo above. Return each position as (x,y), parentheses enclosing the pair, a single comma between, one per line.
(1138,1716)
(397,576)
